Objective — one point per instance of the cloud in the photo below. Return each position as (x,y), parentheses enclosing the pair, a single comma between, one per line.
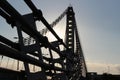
(103,68)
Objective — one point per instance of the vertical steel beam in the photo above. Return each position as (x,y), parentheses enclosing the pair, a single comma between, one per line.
(70,29)
(70,40)
(21,43)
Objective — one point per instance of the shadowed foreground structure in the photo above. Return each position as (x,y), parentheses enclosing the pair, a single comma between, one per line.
(64,59)
(70,63)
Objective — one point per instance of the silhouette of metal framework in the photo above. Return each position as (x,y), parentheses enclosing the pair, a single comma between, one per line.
(71,60)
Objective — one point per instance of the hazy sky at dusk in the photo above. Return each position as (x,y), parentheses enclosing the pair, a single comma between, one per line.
(98,22)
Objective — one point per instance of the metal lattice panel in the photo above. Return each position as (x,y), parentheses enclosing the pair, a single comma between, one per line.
(67,66)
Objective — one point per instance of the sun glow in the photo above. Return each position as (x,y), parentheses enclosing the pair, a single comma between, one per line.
(59,31)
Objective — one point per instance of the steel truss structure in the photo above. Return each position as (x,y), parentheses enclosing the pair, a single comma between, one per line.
(71,60)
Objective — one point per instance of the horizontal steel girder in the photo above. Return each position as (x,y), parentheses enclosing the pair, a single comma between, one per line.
(8,42)
(12,53)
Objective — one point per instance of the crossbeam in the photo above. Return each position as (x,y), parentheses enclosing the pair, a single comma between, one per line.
(9,52)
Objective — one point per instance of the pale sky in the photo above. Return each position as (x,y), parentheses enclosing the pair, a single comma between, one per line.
(98,22)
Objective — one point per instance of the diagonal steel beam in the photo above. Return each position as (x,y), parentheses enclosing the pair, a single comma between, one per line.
(27,28)
(38,14)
